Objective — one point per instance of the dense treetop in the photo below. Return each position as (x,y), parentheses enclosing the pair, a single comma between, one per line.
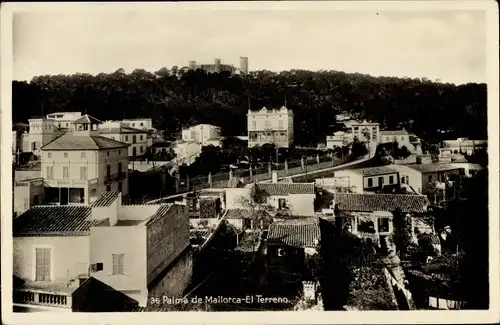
(175,98)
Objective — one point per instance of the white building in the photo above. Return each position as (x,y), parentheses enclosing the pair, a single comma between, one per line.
(202,133)
(132,249)
(139,123)
(461,145)
(403,138)
(368,133)
(338,139)
(80,165)
(41,132)
(362,180)
(272,126)
(63,119)
(137,139)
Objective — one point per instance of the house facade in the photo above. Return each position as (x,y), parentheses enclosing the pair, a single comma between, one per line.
(41,132)
(204,134)
(270,126)
(28,193)
(338,139)
(288,245)
(296,199)
(130,248)
(80,165)
(461,145)
(63,120)
(369,179)
(370,216)
(137,139)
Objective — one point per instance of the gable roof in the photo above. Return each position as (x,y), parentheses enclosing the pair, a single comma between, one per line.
(162,210)
(381,202)
(286,188)
(54,221)
(430,168)
(69,141)
(86,119)
(245,213)
(372,171)
(105,199)
(296,233)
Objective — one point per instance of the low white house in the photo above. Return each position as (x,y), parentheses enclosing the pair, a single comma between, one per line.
(367,179)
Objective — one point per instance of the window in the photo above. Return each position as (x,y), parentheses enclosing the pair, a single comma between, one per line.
(83,154)
(134,138)
(441,177)
(383,224)
(42,264)
(280,124)
(119,187)
(391,179)
(282,204)
(370,182)
(402,138)
(142,124)
(50,172)
(402,179)
(281,252)
(26,204)
(254,125)
(96,267)
(380,181)
(141,149)
(119,152)
(374,137)
(65,155)
(141,137)
(83,173)
(429,178)
(107,153)
(33,146)
(65,172)
(108,171)
(49,155)
(407,179)
(118,260)
(119,167)
(108,188)
(126,138)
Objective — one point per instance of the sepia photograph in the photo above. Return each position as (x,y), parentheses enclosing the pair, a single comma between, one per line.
(250,157)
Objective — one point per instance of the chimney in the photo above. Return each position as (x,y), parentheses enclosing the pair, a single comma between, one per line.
(275,177)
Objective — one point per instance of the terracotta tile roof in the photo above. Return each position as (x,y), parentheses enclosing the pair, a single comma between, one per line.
(372,171)
(162,211)
(69,141)
(54,221)
(245,213)
(105,199)
(430,168)
(381,202)
(86,119)
(121,129)
(287,188)
(295,233)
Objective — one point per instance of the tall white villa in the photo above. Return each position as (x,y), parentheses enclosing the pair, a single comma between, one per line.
(80,165)
(41,132)
(272,126)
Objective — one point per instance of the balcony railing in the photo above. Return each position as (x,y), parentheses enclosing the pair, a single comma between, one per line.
(70,182)
(35,297)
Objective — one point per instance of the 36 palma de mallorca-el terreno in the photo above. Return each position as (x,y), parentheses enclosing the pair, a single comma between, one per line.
(221,300)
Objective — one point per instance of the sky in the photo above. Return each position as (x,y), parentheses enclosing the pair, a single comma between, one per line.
(449,46)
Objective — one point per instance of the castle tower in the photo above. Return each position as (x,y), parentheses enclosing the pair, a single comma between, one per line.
(217,65)
(192,65)
(244,64)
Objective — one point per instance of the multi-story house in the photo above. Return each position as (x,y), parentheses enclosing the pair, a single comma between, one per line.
(204,134)
(41,132)
(371,215)
(137,139)
(366,132)
(403,138)
(139,123)
(288,245)
(462,145)
(366,179)
(63,119)
(271,126)
(80,165)
(137,250)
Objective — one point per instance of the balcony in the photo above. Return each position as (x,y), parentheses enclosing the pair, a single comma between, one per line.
(69,182)
(44,295)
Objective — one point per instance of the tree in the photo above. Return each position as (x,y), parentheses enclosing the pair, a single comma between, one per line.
(261,212)
(402,235)
(358,149)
